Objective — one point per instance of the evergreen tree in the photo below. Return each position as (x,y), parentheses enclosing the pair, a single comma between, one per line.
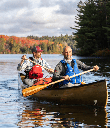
(24,50)
(90,35)
(54,48)
(15,47)
(44,47)
(2,48)
(107,12)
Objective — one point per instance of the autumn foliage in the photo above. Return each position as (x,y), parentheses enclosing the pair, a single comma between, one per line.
(19,45)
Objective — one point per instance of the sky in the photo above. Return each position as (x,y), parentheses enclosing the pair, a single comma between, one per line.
(23,18)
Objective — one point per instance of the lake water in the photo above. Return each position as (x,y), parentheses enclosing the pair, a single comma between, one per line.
(19,112)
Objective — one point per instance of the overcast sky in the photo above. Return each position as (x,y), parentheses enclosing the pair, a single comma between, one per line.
(37,17)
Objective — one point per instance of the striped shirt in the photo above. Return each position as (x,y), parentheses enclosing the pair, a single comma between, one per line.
(27,65)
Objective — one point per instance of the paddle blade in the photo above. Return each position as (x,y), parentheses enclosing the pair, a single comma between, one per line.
(32,90)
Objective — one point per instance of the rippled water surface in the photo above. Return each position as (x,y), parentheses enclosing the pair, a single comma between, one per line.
(19,112)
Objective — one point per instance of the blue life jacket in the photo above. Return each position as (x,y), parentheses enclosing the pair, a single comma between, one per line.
(70,72)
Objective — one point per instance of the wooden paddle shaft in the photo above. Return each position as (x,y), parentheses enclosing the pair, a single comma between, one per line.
(71,77)
(37,64)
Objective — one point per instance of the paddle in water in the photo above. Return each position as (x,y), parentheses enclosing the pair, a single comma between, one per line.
(34,89)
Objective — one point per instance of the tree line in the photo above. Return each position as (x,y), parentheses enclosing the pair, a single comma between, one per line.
(92,30)
(21,45)
(91,36)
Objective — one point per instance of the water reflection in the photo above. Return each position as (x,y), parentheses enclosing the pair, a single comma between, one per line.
(40,114)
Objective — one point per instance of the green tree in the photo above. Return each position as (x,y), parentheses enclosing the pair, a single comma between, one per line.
(24,49)
(44,47)
(90,35)
(15,47)
(107,27)
(2,48)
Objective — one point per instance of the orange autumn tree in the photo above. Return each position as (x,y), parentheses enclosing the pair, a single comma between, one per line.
(18,45)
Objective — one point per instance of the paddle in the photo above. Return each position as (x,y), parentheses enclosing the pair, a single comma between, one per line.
(37,88)
(37,64)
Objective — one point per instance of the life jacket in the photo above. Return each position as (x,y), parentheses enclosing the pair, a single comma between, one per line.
(35,72)
(70,72)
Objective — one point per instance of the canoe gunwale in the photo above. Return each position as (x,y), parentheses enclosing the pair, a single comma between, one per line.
(81,85)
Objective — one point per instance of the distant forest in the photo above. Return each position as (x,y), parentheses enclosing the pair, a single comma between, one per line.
(24,45)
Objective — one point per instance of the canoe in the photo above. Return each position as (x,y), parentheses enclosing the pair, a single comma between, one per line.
(94,94)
